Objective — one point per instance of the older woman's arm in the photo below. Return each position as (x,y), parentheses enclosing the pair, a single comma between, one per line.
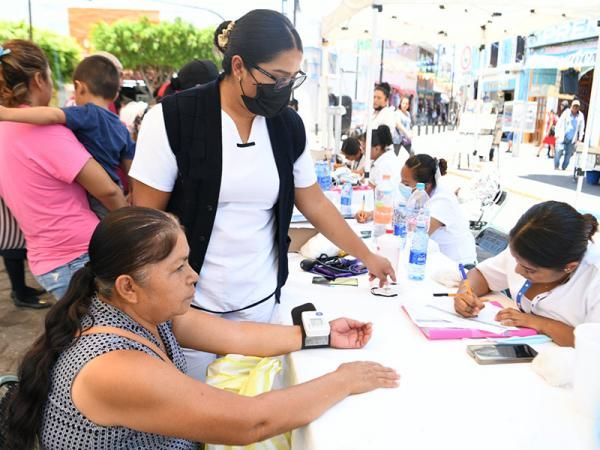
(212,334)
(132,389)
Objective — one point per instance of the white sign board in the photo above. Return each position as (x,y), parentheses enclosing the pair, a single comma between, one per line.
(517,112)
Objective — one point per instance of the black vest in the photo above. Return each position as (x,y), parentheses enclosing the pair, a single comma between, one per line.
(193,124)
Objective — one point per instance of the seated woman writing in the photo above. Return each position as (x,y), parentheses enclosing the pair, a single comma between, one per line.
(354,152)
(551,270)
(109,372)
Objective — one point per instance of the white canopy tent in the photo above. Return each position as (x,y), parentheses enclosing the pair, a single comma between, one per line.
(473,22)
(451,21)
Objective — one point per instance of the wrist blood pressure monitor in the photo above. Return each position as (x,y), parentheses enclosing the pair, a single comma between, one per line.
(315,328)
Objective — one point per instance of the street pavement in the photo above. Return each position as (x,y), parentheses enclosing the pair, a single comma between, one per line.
(527,179)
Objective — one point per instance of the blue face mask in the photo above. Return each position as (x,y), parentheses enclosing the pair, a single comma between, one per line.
(405,190)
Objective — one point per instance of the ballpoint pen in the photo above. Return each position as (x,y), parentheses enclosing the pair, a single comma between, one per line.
(466,282)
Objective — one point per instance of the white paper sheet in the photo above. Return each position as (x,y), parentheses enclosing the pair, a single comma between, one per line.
(439,313)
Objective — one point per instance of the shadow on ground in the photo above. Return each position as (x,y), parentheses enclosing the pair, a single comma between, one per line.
(564,181)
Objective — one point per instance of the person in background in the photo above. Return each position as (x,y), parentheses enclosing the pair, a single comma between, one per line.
(404,127)
(354,151)
(22,295)
(552,269)
(383,113)
(109,373)
(234,173)
(385,161)
(192,74)
(114,106)
(45,173)
(550,138)
(101,132)
(570,130)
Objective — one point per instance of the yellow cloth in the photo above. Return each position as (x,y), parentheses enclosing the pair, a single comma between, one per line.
(249,376)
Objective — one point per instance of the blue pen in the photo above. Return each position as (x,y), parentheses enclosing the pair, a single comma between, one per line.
(463,275)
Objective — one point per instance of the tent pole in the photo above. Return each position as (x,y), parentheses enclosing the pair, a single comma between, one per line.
(324,96)
(592,133)
(370,86)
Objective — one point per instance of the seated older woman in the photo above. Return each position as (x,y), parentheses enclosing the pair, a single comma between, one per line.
(109,372)
(552,269)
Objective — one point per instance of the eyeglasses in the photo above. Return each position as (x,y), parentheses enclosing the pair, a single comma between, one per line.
(283,82)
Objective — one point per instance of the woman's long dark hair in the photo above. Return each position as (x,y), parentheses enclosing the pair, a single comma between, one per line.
(258,36)
(552,234)
(423,168)
(125,242)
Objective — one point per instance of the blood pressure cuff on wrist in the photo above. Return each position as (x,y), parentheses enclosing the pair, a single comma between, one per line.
(333,267)
(297,320)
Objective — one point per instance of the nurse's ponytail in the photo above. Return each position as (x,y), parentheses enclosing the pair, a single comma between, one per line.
(552,234)
(426,169)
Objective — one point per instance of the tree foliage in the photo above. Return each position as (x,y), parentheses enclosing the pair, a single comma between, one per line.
(63,52)
(155,50)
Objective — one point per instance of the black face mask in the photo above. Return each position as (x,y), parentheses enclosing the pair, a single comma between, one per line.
(268,102)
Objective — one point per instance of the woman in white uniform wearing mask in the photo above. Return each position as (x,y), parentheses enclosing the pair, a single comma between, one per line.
(449,226)
(229,159)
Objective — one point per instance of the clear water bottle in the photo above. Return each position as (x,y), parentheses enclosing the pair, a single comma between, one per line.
(417,204)
(418,250)
(384,206)
(346,200)
(399,218)
(323,170)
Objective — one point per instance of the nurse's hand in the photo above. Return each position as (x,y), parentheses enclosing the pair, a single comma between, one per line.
(363,216)
(349,333)
(511,317)
(468,304)
(379,267)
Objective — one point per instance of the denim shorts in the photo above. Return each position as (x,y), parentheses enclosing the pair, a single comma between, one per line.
(57,281)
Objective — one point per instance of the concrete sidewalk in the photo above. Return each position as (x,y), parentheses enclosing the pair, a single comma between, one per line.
(18,326)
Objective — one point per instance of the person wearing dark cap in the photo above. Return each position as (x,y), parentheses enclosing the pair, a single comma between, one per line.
(570,130)
(194,73)
(198,71)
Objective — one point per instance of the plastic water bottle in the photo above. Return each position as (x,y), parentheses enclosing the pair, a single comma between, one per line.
(417,204)
(346,199)
(418,250)
(323,175)
(399,218)
(384,206)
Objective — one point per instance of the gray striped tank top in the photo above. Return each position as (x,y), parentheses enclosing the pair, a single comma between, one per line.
(64,427)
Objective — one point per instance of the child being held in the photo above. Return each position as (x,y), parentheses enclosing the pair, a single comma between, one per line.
(101,132)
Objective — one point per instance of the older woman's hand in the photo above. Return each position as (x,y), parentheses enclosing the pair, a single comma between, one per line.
(349,333)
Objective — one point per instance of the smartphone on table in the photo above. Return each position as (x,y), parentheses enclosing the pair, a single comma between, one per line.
(501,354)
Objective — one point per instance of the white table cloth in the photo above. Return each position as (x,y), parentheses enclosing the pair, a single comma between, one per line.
(446,401)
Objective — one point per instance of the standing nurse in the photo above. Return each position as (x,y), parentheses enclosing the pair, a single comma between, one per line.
(229,159)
